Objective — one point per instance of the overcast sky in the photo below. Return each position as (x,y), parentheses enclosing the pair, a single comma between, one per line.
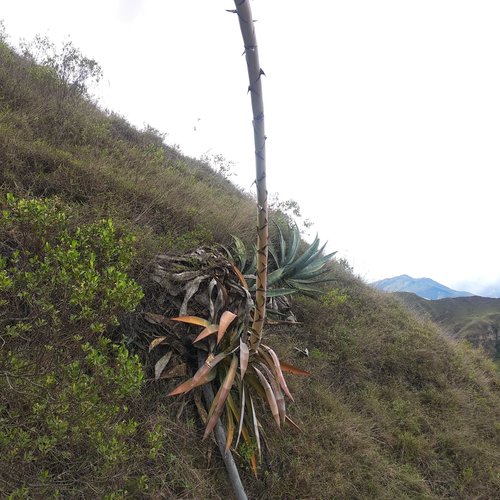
(383,117)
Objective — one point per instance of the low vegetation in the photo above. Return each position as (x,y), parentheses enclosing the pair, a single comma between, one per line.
(393,408)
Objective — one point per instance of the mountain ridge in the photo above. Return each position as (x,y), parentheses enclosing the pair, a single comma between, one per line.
(426,288)
(473,318)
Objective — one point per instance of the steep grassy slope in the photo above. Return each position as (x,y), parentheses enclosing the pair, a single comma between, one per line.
(475,319)
(69,148)
(393,409)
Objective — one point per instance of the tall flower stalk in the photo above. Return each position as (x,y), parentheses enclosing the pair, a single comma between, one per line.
(232,358)
(255,88)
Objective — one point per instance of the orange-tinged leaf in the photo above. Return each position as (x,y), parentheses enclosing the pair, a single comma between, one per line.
(221,397)
(225,320)
(184,387)
(270,396)
(193,320)
(208,330)
(156,342)
(292,369)
(253,461)
(220,393)
(201,376)
(242,279)
(279,373)
(244,355)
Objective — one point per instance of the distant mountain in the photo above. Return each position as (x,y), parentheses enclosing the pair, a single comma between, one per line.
(423,287)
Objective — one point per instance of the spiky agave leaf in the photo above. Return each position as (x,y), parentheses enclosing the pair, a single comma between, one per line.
(269,396)
(220,399)
(244,355)
(289,272)
(202,375)
(226,319)
(240,254)
(278,370)
(278,395)
(230,427)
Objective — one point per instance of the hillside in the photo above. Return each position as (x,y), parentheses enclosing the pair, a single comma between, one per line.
(476,319)
(392,409)
(423,287)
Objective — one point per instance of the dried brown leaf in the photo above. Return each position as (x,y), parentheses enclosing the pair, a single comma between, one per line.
(155,319)
(277,369)
(220,398)
(244,355)
(156,342)
(226,319)
(161,364)
(193,320)
(269,396)
(207,331)
(201,376)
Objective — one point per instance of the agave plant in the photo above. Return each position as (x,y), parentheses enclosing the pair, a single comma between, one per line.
(207,281)
(288,272)
(237,363)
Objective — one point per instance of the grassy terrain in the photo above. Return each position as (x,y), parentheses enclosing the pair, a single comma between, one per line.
(393,409)
(475,319)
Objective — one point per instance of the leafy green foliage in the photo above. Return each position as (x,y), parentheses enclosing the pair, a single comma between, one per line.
(63,404)
(50,417)
(58,278)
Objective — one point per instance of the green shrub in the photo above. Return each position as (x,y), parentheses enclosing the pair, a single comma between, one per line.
(55,280)
(65,388)
(72,416)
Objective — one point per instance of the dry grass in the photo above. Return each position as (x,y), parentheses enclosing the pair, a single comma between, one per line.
(394,409)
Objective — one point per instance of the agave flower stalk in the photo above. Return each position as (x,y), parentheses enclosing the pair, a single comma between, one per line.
(255,88)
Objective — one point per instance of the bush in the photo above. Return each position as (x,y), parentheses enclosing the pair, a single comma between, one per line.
(62,424)
(65,389)
(72,71)
(56,281)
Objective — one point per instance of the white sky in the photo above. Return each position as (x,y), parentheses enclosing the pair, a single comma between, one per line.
(383,117)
